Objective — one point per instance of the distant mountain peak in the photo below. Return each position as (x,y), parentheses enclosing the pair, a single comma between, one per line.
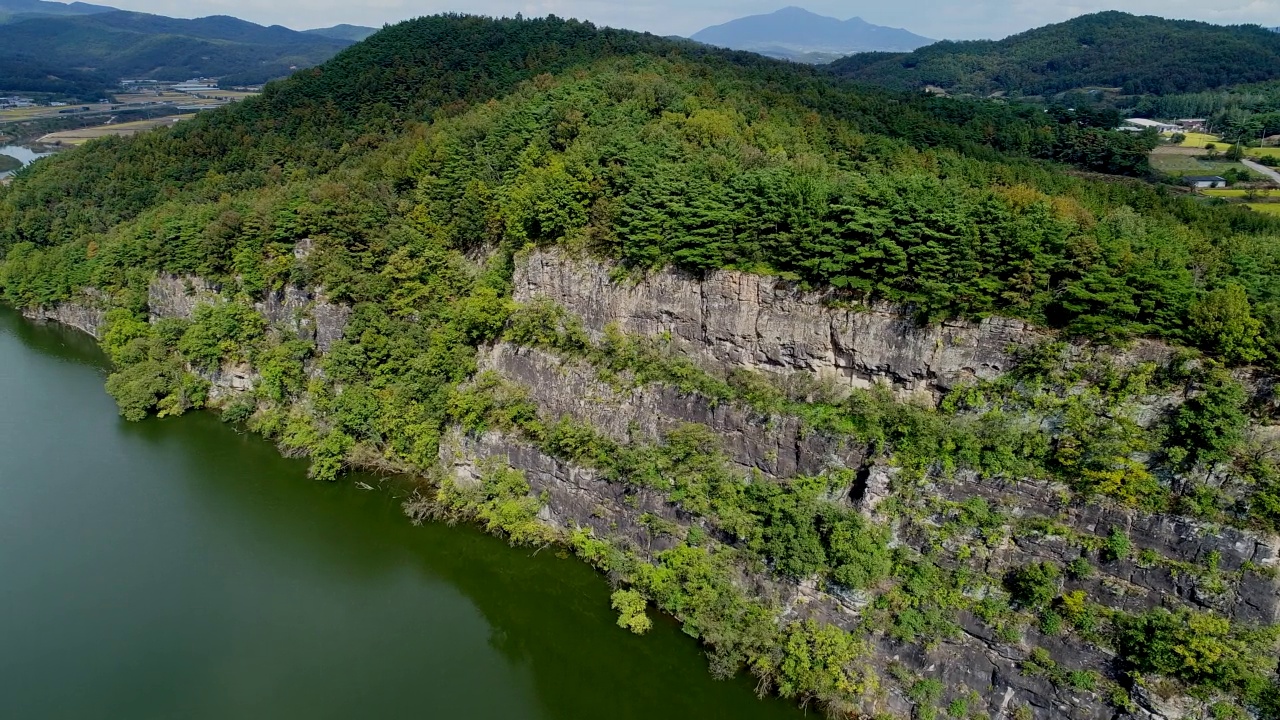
(798,34)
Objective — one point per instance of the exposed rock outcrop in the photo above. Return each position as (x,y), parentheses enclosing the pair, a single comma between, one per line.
(87,313)
(764,323)
(774,445)
(307,314)
(574,496)
(178,296)
(299,311)
(730,320)
(973,660)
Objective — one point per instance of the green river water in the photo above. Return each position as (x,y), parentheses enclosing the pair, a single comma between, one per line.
(181,569)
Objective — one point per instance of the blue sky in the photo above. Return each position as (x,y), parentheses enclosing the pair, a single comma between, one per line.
(952,19)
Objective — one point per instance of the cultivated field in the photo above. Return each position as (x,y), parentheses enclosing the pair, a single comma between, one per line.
(34,113)
(1198,140)
(1180,161)
(1264,194)
(1268,208)
(84,135)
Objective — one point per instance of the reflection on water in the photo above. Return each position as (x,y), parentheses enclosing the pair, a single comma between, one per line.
(179,568)
(24,154)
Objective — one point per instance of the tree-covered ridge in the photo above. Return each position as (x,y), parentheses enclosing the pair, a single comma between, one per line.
(660,160)
(1138,54)
(435,67)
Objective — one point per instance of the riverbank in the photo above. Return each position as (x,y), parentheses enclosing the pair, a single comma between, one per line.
(179,568)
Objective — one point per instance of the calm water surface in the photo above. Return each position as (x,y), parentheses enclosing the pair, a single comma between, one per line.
(180,569)
(24,154)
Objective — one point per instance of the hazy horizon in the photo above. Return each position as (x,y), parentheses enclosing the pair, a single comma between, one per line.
(950,20)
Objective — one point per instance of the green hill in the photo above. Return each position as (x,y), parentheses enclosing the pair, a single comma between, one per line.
(1138,55)
(136,45)
(354,33)
(408,175)
(42,7)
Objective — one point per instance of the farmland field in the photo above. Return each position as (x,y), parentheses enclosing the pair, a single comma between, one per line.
(1198,140)
(1268,208)
(84,135)
(1236,193)
(1175,161)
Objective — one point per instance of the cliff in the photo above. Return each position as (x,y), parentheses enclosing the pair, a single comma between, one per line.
(729,322)
(86,313)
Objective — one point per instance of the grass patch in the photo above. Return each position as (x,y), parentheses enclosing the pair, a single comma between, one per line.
(1263,194)
(1268,208)
(1199,140)
(1182,165)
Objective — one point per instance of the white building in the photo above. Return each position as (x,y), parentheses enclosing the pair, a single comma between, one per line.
(1205,181)
(1145,124)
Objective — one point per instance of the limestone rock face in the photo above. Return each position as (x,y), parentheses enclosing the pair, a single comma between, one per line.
(86,313)
(774,446)
(751,321)
(178,296)
(299,311)
(575,496)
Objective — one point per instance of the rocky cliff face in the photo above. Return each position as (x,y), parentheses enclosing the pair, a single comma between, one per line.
(740,320)
(730,320)
(87,313)
(774,445)
(303,312)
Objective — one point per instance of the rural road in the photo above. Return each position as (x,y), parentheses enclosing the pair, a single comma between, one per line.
(1263,169)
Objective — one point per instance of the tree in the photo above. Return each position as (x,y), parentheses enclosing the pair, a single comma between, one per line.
(1222,323)
(1210,425)
(630,605)
(1033,586)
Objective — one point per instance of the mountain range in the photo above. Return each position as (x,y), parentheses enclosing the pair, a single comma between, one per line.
(794,33)
(1130,54)
(40,7)
(84,50)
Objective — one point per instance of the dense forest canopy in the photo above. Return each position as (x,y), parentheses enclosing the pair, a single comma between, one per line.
(745,162)
(1136,55)
(413,71)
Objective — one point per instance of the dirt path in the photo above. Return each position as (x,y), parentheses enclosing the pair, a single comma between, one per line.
(1262,170)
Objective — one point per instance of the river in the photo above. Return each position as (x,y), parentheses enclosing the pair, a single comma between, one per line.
(181,569)
(24,155)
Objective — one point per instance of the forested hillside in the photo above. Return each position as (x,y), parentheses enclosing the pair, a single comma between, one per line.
(354,33)
(402,183)
(44,7)
(1249,111)
(1136,55)
(137,45)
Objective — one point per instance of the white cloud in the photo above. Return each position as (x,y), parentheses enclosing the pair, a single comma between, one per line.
(959,19)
